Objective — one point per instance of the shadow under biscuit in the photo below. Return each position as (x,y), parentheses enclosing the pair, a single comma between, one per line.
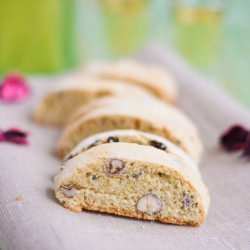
(108,215)
(50,194)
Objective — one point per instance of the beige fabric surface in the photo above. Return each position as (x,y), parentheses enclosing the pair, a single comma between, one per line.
(39,222)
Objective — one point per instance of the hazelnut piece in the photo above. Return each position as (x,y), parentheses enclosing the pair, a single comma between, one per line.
(68,191)
(149,203)
(115,166)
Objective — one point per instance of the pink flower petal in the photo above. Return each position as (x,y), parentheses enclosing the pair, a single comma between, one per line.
(246,149)
(14,135)
(14,88)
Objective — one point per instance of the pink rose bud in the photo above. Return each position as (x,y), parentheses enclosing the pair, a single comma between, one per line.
(14,87)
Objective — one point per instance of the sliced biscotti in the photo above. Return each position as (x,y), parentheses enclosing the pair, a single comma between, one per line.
(153,78)
(56,107)
(95,104)
(131,136)
(144,114)
(133,180)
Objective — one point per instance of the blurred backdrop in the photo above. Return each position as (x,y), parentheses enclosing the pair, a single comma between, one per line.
(51,36)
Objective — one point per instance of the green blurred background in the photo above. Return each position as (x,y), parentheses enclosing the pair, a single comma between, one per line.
(53,36)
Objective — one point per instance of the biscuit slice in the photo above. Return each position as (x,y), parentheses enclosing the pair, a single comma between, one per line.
(94,104)
(135,181)
(56,107)
(131,136)
(153,78)
(144,114)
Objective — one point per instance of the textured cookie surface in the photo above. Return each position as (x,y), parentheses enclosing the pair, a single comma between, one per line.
(144,114)
(131,136)
(133,180)
(153,78)
(56,107)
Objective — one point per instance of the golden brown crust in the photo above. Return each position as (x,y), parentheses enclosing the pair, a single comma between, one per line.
(136,215)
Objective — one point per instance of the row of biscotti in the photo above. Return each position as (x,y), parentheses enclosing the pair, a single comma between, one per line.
(95,80)
(127,171)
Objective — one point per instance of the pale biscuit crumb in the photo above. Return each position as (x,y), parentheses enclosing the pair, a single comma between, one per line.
(19,197)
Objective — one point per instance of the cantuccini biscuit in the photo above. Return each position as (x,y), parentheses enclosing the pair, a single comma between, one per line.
(56,107)
(131,136)
(151,77)
(133,180)
(144,114)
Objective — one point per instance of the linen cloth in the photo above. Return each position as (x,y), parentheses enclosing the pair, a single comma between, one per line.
(39,222)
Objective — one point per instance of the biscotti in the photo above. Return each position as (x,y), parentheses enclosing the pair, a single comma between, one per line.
(133,180)
(153,78)
(144,114)
(131,136)
(56,107)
